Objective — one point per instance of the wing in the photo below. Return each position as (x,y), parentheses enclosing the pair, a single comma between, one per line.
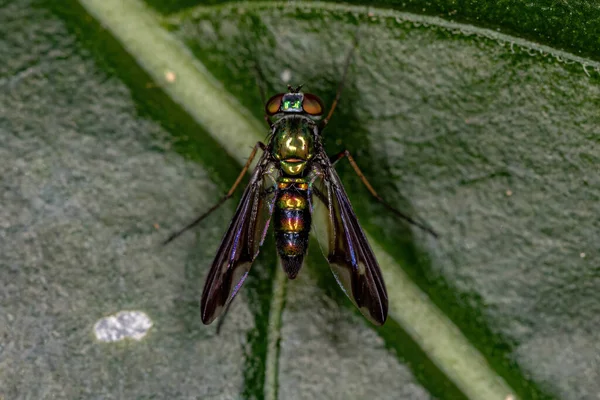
(345,245)
(241,243)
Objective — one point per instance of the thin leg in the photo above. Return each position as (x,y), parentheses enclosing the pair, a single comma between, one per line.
(258,145)
(341,85)
(362,177)
(260,79)
(269,122)
(222,317)
(254,25)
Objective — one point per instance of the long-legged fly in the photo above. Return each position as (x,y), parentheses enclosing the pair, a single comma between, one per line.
(295,184)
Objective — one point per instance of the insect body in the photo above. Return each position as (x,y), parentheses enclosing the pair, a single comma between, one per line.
(293,147)
(295,185)
(292,220)
(292,176)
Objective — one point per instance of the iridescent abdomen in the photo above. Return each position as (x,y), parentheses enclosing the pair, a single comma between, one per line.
(291,220)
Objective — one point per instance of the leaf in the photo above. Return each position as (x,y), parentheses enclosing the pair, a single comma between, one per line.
(489,138)
(84,207)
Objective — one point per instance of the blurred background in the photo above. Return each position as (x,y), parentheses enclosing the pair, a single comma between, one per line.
(120,122)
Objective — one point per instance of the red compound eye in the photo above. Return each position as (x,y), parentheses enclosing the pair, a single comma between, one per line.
(312,104)
(272,106)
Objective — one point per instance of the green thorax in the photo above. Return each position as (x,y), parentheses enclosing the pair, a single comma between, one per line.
(293,143)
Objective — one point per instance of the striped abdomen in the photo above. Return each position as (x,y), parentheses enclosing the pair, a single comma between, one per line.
(291,220)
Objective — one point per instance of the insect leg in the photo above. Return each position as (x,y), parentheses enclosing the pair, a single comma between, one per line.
(222,319)
(224,198)
(260,78)
(341,85)
(364,180)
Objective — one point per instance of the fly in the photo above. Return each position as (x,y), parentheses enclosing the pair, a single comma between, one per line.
(293,185)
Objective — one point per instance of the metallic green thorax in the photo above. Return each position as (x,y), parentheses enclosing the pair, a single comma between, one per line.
(293,143)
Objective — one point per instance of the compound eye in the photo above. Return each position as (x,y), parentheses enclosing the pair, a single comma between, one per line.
(274,103)
(312,105)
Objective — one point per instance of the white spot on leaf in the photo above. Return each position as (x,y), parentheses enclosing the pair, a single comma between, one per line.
(122,325)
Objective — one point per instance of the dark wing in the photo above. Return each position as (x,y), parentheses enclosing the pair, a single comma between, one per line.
(241,243)
(345,245)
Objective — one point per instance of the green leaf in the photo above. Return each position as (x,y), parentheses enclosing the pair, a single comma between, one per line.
(122,127)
